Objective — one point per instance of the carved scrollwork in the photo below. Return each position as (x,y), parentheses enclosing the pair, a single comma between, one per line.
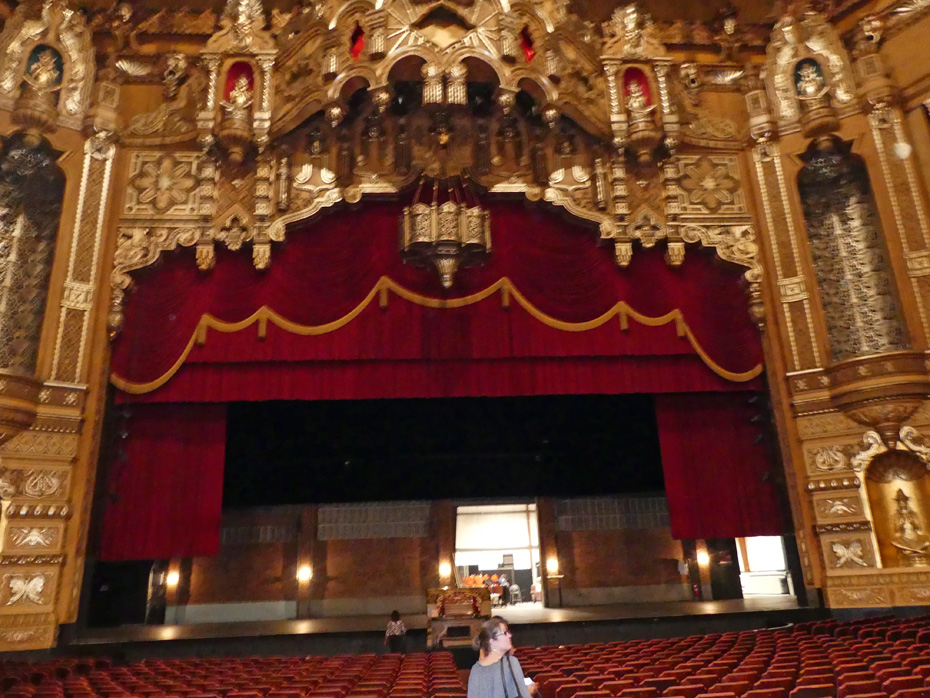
(916,443)
(848,554)
(172,121)
(26,589)
(734,243)
(42,483)
(33,537)
(9,482)
(830,459)
(138,247)
(873,446)
(704,127)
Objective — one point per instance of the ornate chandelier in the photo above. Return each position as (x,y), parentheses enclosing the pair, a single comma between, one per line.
(447,235)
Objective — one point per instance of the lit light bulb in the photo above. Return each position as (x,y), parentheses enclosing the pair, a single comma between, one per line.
(902,150)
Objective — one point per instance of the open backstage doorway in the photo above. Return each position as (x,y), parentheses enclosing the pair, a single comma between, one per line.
(497,545)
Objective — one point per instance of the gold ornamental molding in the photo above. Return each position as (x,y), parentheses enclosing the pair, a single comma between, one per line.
(312,109)
(894,18)
(40,31)
(621,312)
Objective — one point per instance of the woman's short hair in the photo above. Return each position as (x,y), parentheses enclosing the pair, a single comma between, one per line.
(395,616)
(491,628)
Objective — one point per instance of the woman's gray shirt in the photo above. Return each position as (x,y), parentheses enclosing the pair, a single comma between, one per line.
(490,682)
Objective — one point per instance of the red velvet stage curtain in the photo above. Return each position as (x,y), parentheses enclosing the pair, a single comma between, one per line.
(165,498)
(325,272)
(718,480)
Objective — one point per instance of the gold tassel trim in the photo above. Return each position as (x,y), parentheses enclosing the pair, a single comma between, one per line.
(505,287)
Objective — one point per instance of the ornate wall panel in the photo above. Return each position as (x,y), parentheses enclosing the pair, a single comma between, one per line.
(69,363)
(235,124)
(783,238)
(907,199)
(851,261)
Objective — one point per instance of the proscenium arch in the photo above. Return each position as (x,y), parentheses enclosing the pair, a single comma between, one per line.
(498,285)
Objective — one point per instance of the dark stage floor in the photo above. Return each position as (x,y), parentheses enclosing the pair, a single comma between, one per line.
(532,624)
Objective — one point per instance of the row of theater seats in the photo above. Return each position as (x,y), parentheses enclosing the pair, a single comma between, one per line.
(364,676)
(875,658)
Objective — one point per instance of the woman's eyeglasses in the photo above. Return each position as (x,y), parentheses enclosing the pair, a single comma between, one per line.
(502,633)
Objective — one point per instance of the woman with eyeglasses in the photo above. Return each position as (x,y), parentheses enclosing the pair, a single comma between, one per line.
(497,674)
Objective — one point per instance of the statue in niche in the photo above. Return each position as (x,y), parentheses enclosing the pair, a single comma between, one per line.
(36,109)
(239,100)
(909,538)
(43,75)
(637,101)
(809,82)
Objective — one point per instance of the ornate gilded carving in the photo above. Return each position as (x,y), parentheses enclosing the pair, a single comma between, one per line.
(381,139)
(31,191)
(136,248)
(710,184)
(29,537)
(836,507)
(857,598)
(42,483)
(26,589)
(850,257)
(68,361)
(873,446)
(835,484)
(172,121)
(848,553)
(162,184)
(39,443)
(910,539)
(806,63)
(632,34)
(830,459)
(60,33)
(34,483)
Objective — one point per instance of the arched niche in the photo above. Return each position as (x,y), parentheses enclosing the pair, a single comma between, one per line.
(31,193)
(898,491)
(851,263)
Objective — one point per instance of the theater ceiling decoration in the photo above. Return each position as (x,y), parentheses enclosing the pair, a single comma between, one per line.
(791,142)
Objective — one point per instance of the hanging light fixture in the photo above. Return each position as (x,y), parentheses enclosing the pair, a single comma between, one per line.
(446,235)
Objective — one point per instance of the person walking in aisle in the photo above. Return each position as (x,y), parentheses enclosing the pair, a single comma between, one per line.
(497,674)
(396,633)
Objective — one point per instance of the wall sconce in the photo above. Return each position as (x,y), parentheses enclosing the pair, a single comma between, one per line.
(445,570)
(703,559)
(304,573)
(552,565)
(172,579)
